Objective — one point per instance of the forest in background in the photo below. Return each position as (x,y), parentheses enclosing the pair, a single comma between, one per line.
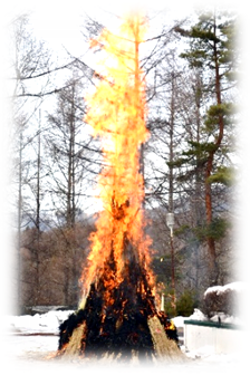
(189,161)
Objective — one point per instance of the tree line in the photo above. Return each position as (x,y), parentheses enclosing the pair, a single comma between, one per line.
(188,162)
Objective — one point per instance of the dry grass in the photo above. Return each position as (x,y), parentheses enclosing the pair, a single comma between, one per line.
(75,342)
(165,348)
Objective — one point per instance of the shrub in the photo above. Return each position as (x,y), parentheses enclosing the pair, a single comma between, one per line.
(186,303)
(168,298)
(229,302)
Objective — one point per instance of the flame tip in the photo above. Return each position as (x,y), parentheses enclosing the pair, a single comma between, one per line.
(116,113)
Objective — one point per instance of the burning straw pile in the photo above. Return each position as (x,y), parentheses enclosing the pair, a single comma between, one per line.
(124,330)
(118,315)
(129,325)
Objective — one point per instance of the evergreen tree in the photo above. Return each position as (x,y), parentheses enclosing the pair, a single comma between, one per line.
(212,53)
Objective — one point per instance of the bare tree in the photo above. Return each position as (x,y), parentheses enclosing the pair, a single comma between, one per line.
(73,160)
(16,217)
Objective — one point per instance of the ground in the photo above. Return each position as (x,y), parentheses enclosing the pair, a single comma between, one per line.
(29,342)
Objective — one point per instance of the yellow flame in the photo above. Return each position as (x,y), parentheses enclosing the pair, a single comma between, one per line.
(116,113)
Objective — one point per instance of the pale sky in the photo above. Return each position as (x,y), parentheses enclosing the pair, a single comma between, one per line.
(59,22)
(62,26)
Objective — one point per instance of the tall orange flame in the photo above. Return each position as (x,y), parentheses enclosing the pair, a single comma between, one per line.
(116,113)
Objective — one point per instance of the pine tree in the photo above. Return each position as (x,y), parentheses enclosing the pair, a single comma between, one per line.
(212,53)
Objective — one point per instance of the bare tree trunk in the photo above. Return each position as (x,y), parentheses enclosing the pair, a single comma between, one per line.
(171,182)
(171,145)
(37,223)
(19,224)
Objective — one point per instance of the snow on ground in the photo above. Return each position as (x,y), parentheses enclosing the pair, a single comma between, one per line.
(30,353)
(198,315)
(28,341)
(206,354)
(226,319)
(38,323)
(226,363)
(236,286)
(179,320)
(31,340)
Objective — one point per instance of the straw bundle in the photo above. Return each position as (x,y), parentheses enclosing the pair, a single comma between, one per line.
(73,348)
(167,351)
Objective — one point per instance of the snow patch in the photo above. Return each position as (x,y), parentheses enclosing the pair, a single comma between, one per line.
(197,315)
(28,349)
(237,286)
(226,319)
(178,321)
(39,323)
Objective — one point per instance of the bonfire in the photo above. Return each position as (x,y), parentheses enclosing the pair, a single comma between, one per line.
(117,314)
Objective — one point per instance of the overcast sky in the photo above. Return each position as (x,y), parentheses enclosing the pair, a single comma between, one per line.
(59,22)
(61,25)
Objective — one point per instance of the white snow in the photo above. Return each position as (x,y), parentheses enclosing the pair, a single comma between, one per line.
(227,363)
(227,319)
(27,341)
(179,321)
(197,315)
(26,347)
(204,360)
(237,286)
(39,323)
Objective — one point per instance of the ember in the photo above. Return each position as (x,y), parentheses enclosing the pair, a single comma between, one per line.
(118,314)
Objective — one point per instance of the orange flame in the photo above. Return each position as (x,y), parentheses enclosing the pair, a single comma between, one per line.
(116,113)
